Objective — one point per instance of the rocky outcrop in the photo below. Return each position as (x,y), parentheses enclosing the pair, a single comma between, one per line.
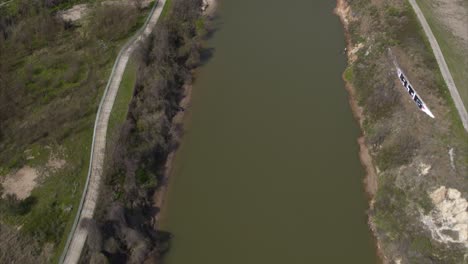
(448,221)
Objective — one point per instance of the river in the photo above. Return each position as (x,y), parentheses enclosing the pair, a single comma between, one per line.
(268,170)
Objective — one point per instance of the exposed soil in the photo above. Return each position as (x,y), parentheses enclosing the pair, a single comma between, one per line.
(371,176)
(79,11)
(75,13)
(209,7)
(56,163)
(21,183)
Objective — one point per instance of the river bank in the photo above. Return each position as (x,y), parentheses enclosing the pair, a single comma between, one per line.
(370,179)
(177,124)
(139,156)
(402,171)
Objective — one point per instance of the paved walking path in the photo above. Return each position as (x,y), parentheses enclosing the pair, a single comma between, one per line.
(77,237)
(442,65)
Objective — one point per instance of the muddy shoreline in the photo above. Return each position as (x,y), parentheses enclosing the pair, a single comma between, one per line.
(160,195)
(370,179)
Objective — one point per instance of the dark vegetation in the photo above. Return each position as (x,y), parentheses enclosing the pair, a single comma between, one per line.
(124,231)
(400,137)
(52,75)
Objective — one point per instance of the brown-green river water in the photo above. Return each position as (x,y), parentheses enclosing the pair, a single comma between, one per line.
(268,170)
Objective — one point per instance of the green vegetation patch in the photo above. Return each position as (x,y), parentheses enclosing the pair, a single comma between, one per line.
(124,96)
(52,77)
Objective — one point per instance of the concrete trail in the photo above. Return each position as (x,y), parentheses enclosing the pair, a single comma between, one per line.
(78,234)
(442,65)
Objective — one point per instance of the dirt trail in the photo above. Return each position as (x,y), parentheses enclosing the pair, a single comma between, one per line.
(77,237)
(442,65)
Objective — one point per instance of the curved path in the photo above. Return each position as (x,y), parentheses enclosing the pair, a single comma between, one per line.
(442,65)
(78,234)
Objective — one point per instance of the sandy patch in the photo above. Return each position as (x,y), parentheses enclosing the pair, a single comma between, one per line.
(138,3)
(79,11)
(75,13)
(55,163)
(20,183)
(448,221)
(370,180)
(208,7)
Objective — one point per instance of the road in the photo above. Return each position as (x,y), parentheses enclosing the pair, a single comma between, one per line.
(77,237)
(442,65)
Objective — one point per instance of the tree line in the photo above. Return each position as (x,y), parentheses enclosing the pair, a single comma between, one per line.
(123,230)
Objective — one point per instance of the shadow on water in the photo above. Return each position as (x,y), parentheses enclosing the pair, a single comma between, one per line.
(213,25)
(205,55)
(163,237)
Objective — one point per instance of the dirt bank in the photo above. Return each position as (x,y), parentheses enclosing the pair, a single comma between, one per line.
(342,10)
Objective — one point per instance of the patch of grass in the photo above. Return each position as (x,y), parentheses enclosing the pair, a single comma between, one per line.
(65,80)
(166,8)
(123,98)
(200,26)
(430,62)
(37,155)
(66,188)
(421,245)
(348,74)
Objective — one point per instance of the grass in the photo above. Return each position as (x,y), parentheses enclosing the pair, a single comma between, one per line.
(456,124)
(166,8)
(116,119)
(455,56)
(348,74)
(123,98)
(63,190)
(58,195)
